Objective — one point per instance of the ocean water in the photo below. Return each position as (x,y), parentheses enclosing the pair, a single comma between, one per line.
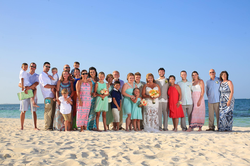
(241,112)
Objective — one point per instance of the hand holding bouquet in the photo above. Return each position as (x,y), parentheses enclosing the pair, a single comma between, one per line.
(153,94)
(143,103)
(104,92)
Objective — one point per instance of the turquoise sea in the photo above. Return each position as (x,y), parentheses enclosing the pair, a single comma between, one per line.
(241,112)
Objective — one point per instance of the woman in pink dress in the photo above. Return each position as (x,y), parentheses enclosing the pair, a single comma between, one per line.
(198,114)
(83,90)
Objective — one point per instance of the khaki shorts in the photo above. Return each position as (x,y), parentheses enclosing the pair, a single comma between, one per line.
(67,117)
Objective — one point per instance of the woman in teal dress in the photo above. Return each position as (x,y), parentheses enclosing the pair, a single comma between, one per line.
(127,92)
(109,114)
(136,114)
(92,114)
(101,104)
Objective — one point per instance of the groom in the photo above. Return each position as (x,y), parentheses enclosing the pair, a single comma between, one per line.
(163,99)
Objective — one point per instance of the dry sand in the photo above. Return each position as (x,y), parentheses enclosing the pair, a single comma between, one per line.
(29,147)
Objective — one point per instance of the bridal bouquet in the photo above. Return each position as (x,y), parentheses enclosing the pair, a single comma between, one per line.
(143,103)
(104,92)
(153,93)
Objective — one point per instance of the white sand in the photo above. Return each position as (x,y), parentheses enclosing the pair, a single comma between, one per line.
(29,147)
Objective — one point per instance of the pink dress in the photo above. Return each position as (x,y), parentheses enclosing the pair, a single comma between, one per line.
(83,111)
(198,114)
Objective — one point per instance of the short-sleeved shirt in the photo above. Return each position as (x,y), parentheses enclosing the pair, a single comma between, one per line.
(56,78)
(45,80)
(212,90)
(186,92)
(23,74)
(33,79)
(65,108)
(117,95)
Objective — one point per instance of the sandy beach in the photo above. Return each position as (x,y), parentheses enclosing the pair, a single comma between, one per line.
(29,147)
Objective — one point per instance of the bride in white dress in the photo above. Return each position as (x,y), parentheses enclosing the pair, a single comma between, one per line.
(151,121)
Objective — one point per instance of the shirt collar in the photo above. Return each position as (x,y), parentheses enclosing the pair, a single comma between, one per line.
(115,89)
(162,79)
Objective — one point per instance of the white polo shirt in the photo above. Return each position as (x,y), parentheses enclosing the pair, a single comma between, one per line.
(45,80)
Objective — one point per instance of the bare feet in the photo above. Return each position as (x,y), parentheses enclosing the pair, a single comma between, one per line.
(21,128)
(98,130)
(36,128)
(189,130)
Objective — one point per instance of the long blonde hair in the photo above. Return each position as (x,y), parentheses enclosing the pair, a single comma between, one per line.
(61,78)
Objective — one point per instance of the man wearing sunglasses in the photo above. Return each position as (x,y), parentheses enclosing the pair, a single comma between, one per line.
(25,104)
(49,103)
(213,95)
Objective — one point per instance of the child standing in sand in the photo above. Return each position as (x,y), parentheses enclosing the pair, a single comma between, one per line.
(25,83)
(136,114)
(116,104)
(65,108)
(101,104)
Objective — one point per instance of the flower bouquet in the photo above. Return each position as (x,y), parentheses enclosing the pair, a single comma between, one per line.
(143,103)
(153,93)
(104,92)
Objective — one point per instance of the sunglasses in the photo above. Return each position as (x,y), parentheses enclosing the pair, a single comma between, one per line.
(47,66)
(33,66)
(211,72)
(84,73)
(67,67)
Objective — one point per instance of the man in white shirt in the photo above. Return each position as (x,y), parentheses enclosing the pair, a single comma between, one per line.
(187,102)
(25,104)
(49,103)
(116,76)
(163,99)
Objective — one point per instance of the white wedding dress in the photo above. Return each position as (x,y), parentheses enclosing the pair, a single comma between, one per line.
(151,119)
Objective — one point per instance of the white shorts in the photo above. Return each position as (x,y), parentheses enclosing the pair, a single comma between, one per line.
(116,114)
(25,104)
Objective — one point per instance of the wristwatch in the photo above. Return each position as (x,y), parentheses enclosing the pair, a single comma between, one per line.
(180,102)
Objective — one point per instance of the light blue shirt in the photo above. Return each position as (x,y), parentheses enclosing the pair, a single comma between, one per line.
(212,90)
(186,92)
(33,79)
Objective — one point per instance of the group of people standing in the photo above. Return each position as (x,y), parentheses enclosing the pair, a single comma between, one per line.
(90,96)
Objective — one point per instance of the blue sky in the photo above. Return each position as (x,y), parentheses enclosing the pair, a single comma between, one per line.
(128,36)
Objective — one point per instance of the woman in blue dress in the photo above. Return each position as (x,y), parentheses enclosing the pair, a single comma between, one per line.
(92,114)
(127,92)
(226,103)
